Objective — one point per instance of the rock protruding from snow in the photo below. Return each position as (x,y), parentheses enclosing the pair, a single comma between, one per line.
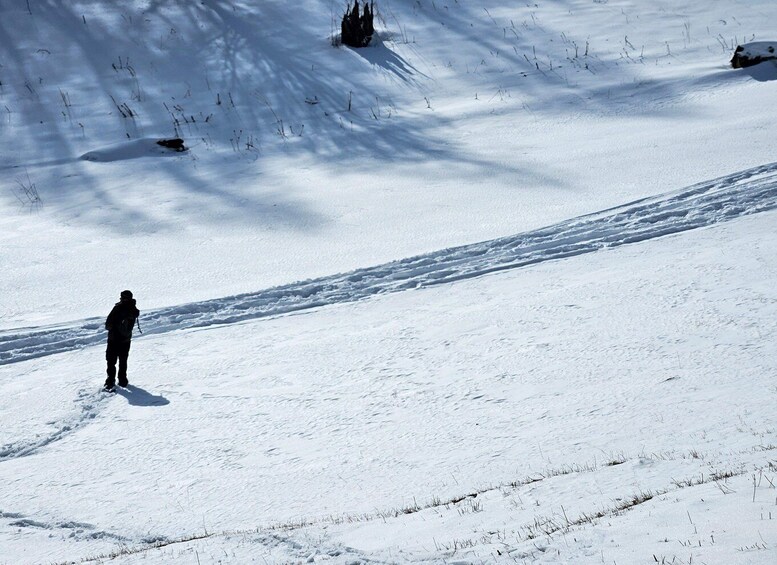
(176,144)
(751,54)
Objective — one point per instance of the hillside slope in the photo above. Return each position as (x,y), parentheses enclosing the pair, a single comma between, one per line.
(498,288)
(464,122)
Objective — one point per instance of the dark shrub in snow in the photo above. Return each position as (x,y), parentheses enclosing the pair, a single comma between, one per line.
(357,27)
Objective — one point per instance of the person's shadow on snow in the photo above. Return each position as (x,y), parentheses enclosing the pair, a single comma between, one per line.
(136,396)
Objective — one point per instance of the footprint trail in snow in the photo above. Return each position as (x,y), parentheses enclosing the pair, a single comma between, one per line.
(705,204)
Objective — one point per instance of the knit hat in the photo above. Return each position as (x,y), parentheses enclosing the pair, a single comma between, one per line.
(126,294)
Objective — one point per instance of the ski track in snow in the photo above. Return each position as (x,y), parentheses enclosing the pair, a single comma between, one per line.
(88,405)
(726,198)
(78,530)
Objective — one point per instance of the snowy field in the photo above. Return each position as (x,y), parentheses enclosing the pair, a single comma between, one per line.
(499,288)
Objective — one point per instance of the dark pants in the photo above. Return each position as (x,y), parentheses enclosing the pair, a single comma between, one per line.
(117,351)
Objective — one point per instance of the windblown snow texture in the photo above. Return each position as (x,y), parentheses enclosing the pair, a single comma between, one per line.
(726,198)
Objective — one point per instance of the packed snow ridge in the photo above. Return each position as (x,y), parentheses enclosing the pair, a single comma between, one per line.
(746,192)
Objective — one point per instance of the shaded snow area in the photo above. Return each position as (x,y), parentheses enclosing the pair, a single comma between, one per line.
(499,288)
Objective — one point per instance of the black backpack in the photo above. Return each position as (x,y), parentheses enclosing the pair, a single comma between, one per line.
(125,326)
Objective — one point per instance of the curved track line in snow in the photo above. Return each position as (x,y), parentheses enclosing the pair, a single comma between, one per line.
(88,406)
(281,537)
(77,530)
(704,204)
(282,547)
(80,531)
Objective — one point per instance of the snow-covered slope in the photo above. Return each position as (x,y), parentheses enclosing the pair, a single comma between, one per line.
(724,199)
(563,390)
(468,121)
(498,288)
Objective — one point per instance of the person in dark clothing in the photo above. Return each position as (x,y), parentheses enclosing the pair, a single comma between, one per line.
(119,324)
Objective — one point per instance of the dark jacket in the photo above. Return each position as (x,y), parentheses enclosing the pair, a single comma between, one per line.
(121,320)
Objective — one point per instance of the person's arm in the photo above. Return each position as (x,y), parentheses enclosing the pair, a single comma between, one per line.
(110,318)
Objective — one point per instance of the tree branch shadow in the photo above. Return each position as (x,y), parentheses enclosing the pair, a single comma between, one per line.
(218,74)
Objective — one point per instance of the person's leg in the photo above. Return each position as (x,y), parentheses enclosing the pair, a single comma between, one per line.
(110,356)
(123,356)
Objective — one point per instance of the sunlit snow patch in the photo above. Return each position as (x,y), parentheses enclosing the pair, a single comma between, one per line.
(135,149)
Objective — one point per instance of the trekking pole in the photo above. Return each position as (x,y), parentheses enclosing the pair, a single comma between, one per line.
(137,320)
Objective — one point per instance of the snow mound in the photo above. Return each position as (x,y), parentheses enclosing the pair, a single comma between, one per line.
(135,149)
(751,54)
